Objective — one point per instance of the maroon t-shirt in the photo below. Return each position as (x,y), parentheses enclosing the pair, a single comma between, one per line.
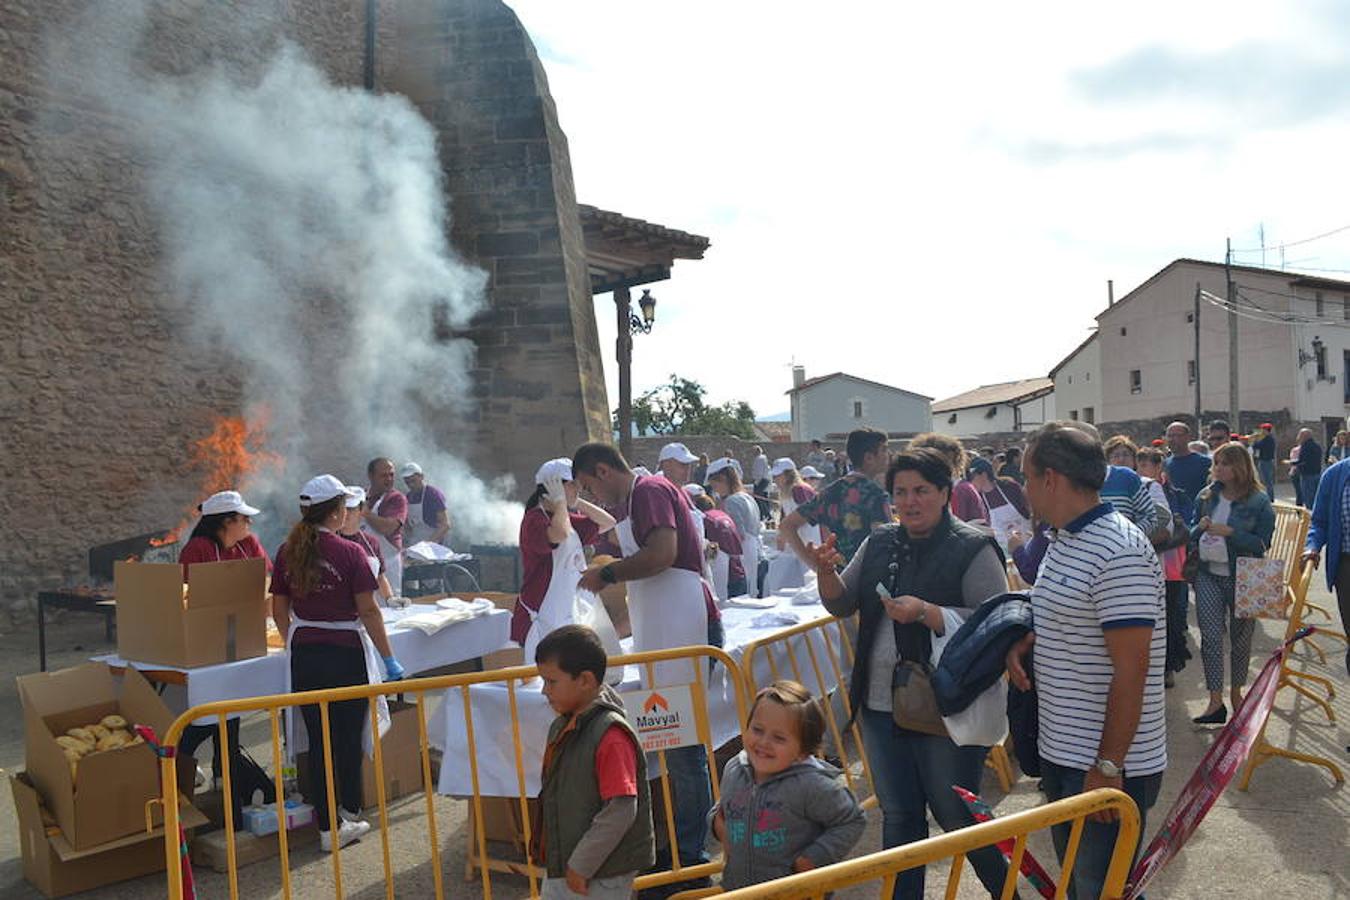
(658,503)
(203,549)
(367,542)
(393,505)
(536,560)
(343,573)
(720,528)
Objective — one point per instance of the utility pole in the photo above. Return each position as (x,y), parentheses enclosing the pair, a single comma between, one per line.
(624,352)
(1195,319)
(1234,409)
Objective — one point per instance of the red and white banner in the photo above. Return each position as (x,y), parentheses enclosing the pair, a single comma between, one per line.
(1218,766)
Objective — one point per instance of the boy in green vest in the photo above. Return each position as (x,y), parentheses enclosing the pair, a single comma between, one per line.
(596,821)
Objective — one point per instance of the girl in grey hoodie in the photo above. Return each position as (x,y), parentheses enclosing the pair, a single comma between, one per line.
(782,809)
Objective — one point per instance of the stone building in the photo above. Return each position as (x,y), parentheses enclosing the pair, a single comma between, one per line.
(99,398)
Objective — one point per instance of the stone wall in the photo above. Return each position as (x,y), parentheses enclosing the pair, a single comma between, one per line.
(99,399)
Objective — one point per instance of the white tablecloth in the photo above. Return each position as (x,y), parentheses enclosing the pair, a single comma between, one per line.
(265,675)
(490,706)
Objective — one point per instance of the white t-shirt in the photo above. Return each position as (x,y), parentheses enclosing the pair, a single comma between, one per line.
(1099,572)
(1214,548)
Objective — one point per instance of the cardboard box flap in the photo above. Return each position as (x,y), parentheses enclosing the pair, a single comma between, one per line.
(222,583)
(188,815)
(79,687)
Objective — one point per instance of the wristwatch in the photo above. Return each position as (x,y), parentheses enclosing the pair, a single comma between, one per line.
(607,573)
(1109,769)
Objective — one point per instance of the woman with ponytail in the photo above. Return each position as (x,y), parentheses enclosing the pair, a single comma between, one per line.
(323,601)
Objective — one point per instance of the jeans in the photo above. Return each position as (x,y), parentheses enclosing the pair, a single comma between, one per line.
(318,666)
(1308,489)
(913,773)
(1266,469)
(1094,851)
(691,794)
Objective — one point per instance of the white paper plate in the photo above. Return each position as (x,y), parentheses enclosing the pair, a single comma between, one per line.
(754,602)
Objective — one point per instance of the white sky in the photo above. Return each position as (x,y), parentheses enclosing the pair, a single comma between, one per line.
(934,195)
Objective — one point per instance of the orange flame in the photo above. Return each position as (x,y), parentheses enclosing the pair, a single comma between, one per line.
(233,451)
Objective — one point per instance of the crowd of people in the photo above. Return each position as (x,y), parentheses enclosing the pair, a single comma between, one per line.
(1109,536)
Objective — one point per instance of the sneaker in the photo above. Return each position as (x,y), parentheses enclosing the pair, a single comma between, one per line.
(345,815)
(347,832)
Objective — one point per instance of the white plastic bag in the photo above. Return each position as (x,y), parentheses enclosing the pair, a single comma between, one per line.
(984,722)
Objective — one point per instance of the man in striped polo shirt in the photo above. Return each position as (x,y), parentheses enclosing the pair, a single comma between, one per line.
(1100,639)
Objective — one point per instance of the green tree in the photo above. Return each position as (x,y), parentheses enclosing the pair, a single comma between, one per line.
(678,407)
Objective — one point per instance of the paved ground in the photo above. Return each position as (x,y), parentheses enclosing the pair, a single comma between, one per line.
(1287,837)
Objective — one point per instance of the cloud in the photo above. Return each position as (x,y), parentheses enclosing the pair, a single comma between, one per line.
(1050,152)
(1262,83)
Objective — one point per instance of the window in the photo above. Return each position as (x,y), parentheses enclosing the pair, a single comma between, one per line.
(1345,308)
(1073,413)
(1345,375)
(1317,301)
(1070,379)
(1089,415)
(857,409)
(1190,317)
(1320,354)
(1190,371)
(951,420)
(1122,331)
(1136,382)
(1087,376)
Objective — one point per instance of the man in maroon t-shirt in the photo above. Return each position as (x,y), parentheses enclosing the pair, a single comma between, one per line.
(385,515)
(663,529)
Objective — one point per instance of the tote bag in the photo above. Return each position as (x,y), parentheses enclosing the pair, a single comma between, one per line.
(1259,588)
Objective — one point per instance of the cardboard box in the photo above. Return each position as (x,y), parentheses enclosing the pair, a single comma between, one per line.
(224,618)
(106,798)
(401,753)
(56,868)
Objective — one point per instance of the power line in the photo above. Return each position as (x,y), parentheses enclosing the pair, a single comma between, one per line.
(1269,317)
(1287,244)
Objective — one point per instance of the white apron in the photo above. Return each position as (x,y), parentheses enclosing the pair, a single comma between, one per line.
(786,570)
(297,738)
(414,529)
(721,576)
(1005,520)
(555,610)
(665,610)
(696,515)
(393,557)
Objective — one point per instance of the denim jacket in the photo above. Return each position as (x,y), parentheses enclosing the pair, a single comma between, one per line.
(1252,520)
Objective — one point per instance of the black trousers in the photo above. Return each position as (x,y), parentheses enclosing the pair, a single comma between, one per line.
(1178,601)
(1343,599)
(318,666)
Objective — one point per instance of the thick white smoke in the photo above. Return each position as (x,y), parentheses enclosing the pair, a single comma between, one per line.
(305,224)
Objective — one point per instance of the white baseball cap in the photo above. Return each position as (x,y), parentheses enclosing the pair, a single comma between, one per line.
(321,488)
(676,451)
(227,502)
(409,470)
(560,468)
(722,463)
(782,464)
(355,496)
(811,472)
(694,490)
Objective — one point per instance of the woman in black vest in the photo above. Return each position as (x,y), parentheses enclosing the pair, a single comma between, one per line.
(927,561)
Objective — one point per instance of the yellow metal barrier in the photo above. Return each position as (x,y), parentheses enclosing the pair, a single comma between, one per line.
(887,864)
(513,678)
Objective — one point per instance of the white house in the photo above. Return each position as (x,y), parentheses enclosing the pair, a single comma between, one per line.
(833,405)
(1009,406)
(1293,345)
(1078,382)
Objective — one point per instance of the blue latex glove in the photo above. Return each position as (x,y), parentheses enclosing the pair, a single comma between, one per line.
(393,670)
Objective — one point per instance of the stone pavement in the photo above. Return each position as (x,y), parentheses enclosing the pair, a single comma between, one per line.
(1286,837)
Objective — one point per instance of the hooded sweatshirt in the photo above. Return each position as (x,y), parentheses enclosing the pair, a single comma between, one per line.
(805,810)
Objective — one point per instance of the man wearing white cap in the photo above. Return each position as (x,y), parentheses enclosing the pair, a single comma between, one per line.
(787,570)
(428,515)
(669,604)
(223,533)
(676,463)
(385,517)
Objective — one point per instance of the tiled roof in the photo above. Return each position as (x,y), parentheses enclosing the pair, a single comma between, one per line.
(994,394)
(812,382)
